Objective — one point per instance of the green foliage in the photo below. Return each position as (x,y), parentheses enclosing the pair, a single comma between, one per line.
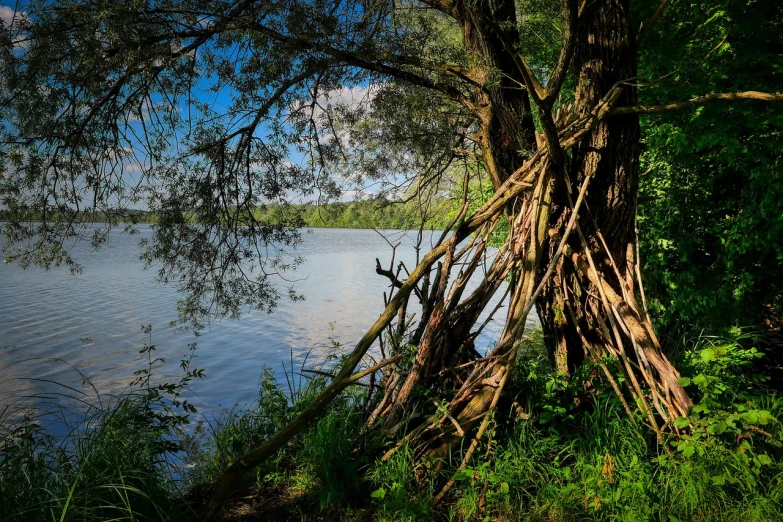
(115,460)
(711,211)
(124,460)
(566,461)
(733,426)
(328,452)
(168,107)
(318,467)
(395,489)
(592,462)
(239,429)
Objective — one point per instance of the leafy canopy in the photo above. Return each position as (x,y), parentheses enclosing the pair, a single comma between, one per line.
(199,112)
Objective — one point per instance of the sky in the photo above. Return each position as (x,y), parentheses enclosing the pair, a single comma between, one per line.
(351,96)
(7,13)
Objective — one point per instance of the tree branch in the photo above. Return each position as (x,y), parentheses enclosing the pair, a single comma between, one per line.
(449,69)
(377,64)
(250,128)
(355,59)
(697,101)
(646,26)
(444,6)
(566,52)
(393,278)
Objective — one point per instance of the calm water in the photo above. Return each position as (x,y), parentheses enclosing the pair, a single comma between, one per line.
(53,323)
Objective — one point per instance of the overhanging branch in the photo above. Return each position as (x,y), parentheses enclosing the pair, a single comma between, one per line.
(381,65)
(697,101)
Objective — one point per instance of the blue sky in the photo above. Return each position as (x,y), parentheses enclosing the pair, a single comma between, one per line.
(10,11)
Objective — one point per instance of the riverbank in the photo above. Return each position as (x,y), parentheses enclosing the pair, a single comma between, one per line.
(135,457)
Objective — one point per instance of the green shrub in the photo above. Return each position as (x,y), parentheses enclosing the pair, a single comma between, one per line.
(113,460)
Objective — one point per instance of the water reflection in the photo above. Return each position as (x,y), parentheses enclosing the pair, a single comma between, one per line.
(93,321)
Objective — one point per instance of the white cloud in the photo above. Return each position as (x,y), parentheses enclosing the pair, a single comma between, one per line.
(6,15)
(351,195)
(352,97)
(9,16)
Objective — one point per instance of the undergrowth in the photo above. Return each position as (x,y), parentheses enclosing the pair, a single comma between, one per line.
(115,459)
(575,455)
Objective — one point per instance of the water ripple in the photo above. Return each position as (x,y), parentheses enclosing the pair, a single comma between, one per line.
(93,321)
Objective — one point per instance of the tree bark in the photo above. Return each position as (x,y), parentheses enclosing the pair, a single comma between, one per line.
(506,136)
(506,129)
(605,54)
(589,307)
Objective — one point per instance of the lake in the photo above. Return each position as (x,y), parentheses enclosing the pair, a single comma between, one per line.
(56,329)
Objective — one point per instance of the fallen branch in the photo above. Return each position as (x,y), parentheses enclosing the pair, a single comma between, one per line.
(518,182)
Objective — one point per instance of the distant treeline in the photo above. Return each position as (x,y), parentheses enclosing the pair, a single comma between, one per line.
(353,214)
(361,214)
(118,216)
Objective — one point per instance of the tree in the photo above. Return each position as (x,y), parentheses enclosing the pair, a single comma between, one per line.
(551,120)
(710,203)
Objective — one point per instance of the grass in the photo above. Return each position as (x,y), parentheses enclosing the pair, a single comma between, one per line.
(110,465)
(565,462)
(115,459)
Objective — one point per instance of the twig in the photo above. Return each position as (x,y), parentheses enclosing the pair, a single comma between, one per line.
(445,412)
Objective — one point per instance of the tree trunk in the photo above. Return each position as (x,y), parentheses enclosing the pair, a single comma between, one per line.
(589,307)
(506,136)
(604,55)
(507,131)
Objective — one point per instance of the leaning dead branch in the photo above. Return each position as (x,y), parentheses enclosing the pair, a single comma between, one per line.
(447,364)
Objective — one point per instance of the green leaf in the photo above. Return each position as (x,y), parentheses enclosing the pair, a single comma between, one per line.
(465,474)
(504,488)
(684,381)
(378,493)
(700,380)
(682,422)
(717,428)
(765,417)
(751,417)
(701,408)
(707,355)
(764,459)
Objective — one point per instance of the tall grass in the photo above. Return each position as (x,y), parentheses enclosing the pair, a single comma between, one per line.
(567,460)
(110,465)
(319,468)
(112,459)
